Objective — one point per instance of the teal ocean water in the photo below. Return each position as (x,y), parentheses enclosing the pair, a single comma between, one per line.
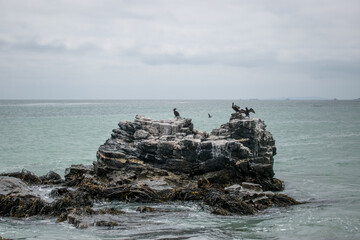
(318,159)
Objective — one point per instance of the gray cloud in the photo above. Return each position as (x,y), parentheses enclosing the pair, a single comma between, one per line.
(233,59)
(33,46)
(274,48)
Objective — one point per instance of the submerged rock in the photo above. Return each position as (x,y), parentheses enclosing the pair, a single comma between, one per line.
(86,217)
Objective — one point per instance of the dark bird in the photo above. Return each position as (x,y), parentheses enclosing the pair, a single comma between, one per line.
(209,115)
(235,107)
(248,111)
(176,113)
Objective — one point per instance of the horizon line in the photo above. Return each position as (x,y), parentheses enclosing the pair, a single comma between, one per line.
(176,99)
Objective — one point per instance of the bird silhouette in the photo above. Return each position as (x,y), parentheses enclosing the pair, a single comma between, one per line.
(235,107)
(248,111)
(176,113)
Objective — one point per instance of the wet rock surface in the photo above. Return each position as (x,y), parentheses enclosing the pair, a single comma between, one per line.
(229,171)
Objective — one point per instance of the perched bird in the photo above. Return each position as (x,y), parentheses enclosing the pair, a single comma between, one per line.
(248,111)
(209,115)
(176,113)
(235,107)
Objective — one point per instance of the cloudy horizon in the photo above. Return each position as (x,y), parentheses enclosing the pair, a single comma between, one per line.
(179,49)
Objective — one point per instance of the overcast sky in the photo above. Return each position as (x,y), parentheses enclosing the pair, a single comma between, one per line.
(179,49)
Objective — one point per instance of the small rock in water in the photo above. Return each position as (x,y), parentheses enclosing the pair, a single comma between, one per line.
(145,209)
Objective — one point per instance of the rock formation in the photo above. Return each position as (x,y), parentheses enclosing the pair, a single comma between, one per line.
(240,150)
(229,170)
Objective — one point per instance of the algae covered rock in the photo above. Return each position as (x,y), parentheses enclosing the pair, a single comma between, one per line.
(18,200)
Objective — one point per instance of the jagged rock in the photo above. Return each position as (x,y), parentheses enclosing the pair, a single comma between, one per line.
(24,175)
(12,186)
(71,199)
(228,203)
(22,206)
(17,199)
(229,170)
(86,217)
(51,178)
(75,174)
(272,184)
(242,148)
(78,170)
(30,178)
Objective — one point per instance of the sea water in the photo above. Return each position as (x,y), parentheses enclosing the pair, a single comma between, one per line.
(318,158)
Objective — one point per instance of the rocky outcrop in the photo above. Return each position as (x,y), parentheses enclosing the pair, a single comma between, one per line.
(229,171)
(18,199)
(239,150)
(30,178)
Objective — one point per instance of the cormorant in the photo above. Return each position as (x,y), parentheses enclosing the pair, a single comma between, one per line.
(176,113)
(209,115)
(235,107)
(248,111)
